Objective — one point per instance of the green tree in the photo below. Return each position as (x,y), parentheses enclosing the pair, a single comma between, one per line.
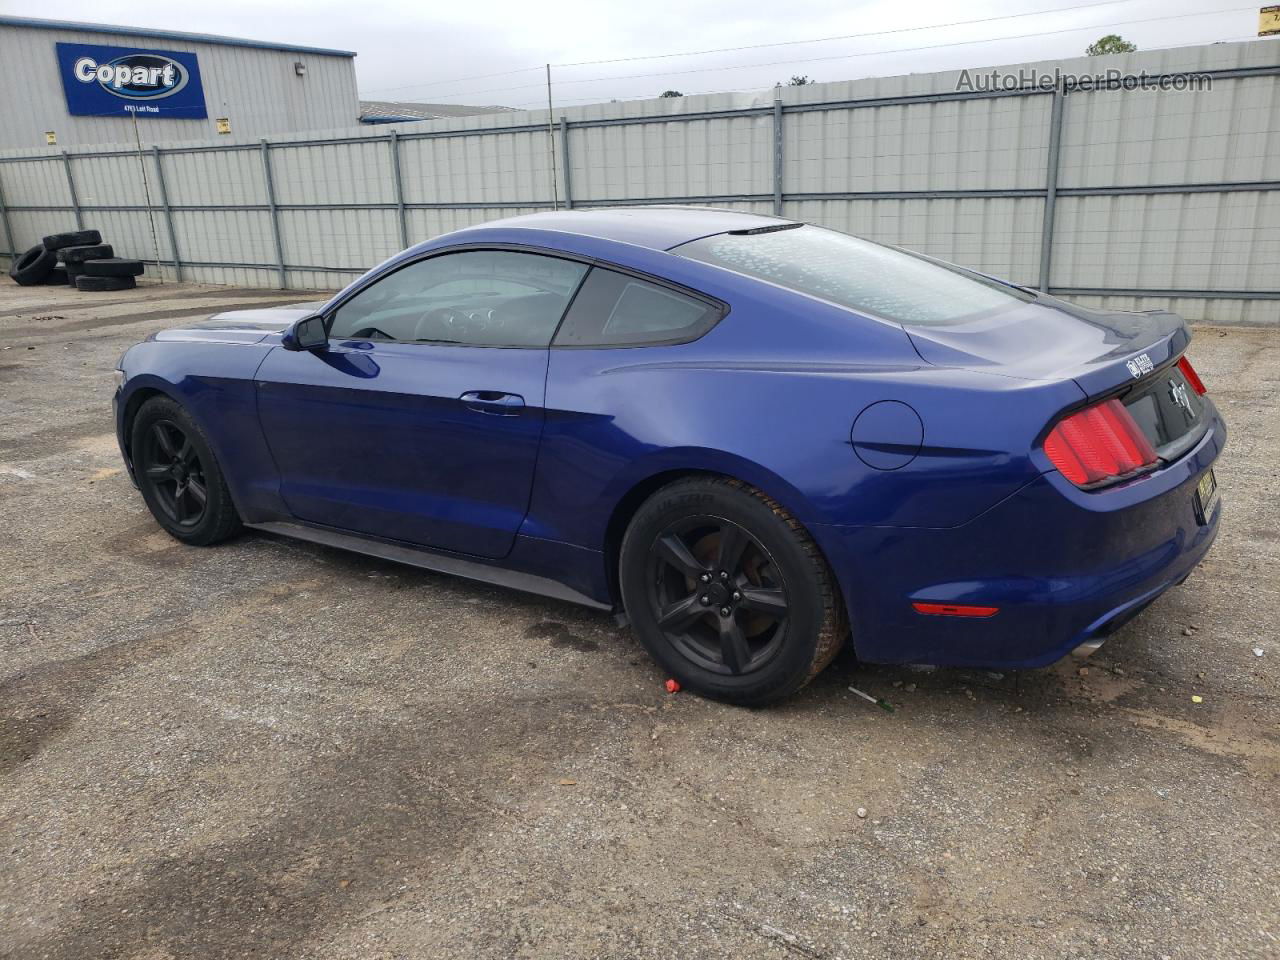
(1111,43)
(799,81)
(671,93)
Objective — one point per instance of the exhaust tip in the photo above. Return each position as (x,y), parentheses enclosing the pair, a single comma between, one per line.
(1088,648)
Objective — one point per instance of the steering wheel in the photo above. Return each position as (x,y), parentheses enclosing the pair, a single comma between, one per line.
(440,323)
(455,324)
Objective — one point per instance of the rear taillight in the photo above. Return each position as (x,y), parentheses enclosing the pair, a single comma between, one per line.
(1097,444)
(1193,378)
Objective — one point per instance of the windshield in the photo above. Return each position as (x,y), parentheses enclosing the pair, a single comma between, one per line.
(857,273)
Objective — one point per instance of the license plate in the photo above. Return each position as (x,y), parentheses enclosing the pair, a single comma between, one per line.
(1206,496)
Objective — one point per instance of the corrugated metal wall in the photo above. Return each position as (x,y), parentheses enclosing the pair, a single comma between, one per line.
(256,89)
(1156,198)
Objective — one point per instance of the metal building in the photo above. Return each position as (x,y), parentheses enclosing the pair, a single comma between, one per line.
(78,84)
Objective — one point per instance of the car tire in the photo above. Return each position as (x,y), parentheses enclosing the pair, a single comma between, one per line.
(71,271)
(163,435)
(102,284)
(57,277)
(113,267)
(32,267)
(728,592)
(76,238)
(99,251)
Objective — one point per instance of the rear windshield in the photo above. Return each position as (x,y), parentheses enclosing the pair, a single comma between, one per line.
(858,274)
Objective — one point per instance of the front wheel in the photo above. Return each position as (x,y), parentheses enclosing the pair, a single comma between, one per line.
(728,592)
(178,475)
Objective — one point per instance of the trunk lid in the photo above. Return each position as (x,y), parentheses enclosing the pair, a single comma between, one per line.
(1050,339)
(1168,410)
(1132,356)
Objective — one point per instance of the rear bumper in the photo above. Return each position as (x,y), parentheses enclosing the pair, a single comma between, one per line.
(1064,566)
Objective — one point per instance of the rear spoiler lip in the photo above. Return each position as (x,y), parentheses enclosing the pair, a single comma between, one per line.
(1112,375)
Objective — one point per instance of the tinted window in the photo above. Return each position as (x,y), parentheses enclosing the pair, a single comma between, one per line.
(488,298)
(613,310)
(857,273)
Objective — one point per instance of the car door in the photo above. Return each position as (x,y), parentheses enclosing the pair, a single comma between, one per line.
(420,420)
(617,392)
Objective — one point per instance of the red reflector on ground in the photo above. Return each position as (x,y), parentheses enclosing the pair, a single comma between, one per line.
(1098,443)
(954,610)
(1193,378)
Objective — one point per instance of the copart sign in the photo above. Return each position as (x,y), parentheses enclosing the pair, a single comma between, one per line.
(109,81)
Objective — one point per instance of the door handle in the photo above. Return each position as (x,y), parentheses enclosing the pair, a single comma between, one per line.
(493,402)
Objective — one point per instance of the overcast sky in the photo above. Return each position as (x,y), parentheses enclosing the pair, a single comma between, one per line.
(440,52)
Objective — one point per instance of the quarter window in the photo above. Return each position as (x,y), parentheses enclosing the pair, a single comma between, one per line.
(613,310)
(484,298)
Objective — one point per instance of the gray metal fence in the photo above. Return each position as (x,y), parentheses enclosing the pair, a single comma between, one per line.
(1129,198)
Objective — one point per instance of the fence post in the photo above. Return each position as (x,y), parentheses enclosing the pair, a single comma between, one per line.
(1051,187)
(168,216)
(275,212)
(397,178)
(71,187)
(777,154)
(564,162)
(10,247)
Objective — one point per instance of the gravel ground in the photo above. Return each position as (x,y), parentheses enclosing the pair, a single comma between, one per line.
(274,749)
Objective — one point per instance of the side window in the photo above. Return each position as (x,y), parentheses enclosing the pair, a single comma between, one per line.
(615,310)
(484,298)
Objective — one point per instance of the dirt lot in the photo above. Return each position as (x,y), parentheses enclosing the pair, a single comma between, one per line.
(274,749)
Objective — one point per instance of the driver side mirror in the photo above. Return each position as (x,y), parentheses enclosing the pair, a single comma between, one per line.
(306,334)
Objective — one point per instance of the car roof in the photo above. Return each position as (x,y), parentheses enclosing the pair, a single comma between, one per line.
(659,228)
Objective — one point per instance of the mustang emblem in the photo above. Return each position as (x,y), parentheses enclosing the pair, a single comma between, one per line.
(1178,394)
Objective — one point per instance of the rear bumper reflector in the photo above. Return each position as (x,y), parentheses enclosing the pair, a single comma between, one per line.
(954,610)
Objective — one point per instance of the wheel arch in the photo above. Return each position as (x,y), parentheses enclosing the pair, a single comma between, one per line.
(642,489)
(625,509)
(133,401)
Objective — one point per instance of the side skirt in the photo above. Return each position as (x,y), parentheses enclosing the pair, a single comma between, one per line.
(428,560)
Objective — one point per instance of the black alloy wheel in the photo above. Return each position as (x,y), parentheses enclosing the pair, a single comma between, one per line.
(178,474)
(170,465)
(717,595)
(728,592)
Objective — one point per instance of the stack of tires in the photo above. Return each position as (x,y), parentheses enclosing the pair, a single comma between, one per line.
(79,259)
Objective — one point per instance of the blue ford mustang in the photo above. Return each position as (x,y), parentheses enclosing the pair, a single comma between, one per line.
(759,438)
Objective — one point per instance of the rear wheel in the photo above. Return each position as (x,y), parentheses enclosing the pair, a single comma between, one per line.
(728,592)
(178,475)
